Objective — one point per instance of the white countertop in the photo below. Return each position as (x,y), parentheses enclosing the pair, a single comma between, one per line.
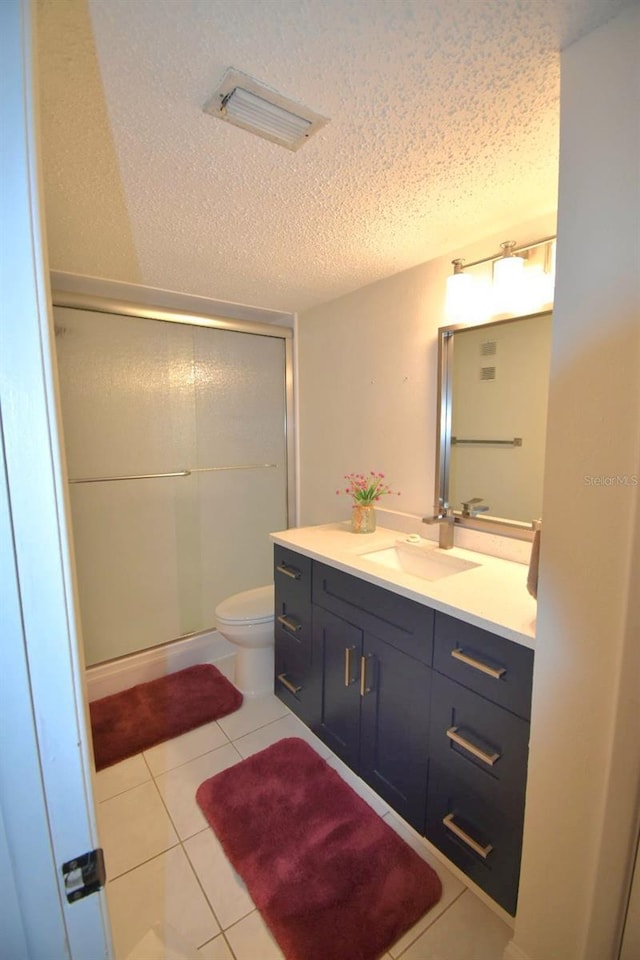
(493,595)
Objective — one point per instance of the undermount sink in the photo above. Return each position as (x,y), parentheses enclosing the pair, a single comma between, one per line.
(421,560)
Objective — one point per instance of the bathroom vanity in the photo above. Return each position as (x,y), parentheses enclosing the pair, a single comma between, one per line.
(415,667)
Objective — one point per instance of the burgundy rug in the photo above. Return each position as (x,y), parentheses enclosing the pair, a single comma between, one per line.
(330,878)
(149,713)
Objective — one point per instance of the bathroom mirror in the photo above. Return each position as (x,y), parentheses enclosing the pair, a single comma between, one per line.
(492,417)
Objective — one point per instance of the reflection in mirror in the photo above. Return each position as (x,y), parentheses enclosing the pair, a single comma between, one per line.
(492,422)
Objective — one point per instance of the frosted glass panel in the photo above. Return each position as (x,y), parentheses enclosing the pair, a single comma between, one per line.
(127,393)
(238,511)
(239,377)
(133,577)
(139,396)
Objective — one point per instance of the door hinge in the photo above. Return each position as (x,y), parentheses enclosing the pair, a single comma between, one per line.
(84,875)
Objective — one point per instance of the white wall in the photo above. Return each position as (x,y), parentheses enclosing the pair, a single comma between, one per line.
(585,750)
(367,383)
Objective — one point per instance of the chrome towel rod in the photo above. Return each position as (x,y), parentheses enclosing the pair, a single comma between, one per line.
(516,442)
(177,473)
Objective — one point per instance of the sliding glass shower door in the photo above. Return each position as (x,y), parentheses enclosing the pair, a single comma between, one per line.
(175,438)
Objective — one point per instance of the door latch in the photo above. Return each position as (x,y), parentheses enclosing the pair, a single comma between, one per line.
(84,875)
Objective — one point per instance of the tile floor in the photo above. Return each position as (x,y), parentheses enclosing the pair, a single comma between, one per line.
(169,881)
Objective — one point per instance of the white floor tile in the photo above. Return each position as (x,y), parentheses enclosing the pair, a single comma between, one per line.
(153,882)
(255,712)
(217,949)
(223,887)
(251,940)
(467,931)
(166,756)
(163,943)
(121,777)
(359,786)
(178,788)
(451,886)
(133,827)
(288,726)
(162,892)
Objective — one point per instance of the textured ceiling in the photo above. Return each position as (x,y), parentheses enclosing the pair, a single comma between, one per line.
(443,128)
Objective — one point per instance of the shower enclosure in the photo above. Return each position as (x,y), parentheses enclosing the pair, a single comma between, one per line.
(176,440)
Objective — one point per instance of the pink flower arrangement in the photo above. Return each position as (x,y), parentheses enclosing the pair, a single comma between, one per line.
(365,489)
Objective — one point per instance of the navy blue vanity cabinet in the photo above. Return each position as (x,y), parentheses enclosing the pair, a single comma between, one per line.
(294,679)
(478,745)
(432,712)
(374,650)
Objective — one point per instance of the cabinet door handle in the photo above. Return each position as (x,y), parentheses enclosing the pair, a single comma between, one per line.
(488,758)
(451,825)
(364,689)
(289,571)
(348,679)
(495,672)
(293,626)
(282,677)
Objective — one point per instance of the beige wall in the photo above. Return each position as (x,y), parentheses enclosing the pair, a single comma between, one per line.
(585,749)
(367,375)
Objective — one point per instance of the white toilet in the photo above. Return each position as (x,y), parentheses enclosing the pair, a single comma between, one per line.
(246,620)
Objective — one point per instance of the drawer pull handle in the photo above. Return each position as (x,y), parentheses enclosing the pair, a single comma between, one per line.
(282,677)
(348,679)
(451,825)
(293,626)
(496,672)
(488,758)
(289,571)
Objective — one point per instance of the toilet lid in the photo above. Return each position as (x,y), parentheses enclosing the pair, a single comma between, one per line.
(254,605)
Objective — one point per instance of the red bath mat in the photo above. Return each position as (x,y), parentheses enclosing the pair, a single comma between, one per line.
(330,878)
(133,720)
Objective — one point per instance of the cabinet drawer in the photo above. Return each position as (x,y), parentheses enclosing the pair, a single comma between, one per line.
(292,578)
(292,575)
(403,623)
(480,743)
(294,682)
(498,669)
(475,835)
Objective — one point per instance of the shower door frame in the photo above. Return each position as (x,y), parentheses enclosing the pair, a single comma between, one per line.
(125,308)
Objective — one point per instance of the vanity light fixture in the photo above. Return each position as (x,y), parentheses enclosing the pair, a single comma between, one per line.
(459,290)
(509,291)
(247,103)
(507,279)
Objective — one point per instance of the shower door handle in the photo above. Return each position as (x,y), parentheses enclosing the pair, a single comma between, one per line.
(134,476)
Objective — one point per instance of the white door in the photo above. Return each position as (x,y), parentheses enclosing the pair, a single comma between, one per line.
(46,799)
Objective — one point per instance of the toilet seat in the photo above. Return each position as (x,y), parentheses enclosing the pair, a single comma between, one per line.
(249,606)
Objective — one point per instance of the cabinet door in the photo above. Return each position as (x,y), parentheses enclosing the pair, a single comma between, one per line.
(394,743)
(338,647)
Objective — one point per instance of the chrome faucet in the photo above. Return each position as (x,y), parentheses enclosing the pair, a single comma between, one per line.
(472,508)
(446,520)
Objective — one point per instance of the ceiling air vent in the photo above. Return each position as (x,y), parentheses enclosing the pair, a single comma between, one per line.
(246,103)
